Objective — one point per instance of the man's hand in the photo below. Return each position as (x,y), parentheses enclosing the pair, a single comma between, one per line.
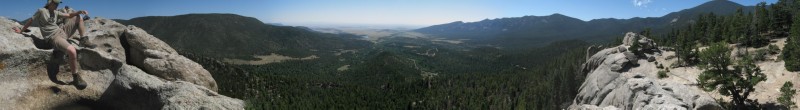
(17,30)
(84,12)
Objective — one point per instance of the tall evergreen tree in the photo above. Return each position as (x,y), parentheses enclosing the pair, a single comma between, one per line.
(758,28)
(787,92)
(737,83)
(781,18)
(791,51)
(762,18)
(683,49)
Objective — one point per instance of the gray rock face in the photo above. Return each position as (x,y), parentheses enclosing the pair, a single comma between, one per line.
(152,93)
(158,58)
(629,39)
(645,43)
(35,77)
(105,34)
(614,81)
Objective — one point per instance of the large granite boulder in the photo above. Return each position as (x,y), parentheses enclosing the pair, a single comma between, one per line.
(645,44)
(615,79)
(629,39)
(158,58)
(35,77)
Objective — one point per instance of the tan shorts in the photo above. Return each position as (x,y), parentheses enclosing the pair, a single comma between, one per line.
(69,27)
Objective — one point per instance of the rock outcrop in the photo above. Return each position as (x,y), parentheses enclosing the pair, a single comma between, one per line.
(645,44)
(617,79)
(629,39)
(34,76)
(158,58)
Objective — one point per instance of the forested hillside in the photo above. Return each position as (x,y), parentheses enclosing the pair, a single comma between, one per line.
(536,31)
(235,36)
(394,76)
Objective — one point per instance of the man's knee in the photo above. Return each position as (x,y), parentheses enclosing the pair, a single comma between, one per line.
(78,19)
(71,51)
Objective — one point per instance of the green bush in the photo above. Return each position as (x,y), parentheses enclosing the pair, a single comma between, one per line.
(760,55)
(634,48)
(773,49)
(787,92)
(662,74)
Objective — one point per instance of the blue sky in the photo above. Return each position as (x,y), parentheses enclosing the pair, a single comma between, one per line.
(369,12)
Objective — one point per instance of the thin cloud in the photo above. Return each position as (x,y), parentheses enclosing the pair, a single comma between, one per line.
(641,3)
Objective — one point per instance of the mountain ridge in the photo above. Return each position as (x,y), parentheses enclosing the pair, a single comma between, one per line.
(547,31)
(230,33)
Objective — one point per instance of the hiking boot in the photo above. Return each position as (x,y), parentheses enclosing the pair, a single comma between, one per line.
(85,42)
(78,82)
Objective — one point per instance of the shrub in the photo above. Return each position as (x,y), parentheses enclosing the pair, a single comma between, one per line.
(760,55)
(773,49)
(787,92)
(662,74)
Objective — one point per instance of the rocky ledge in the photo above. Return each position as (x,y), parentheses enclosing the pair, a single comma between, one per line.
(616,78)
(128,69)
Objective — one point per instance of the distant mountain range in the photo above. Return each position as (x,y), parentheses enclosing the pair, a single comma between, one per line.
(230,35)
(540,30)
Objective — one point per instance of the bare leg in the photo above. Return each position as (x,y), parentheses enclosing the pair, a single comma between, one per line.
(82,32)
(73,62)
(81,28)
(73,59)
(74,24)
(60,42)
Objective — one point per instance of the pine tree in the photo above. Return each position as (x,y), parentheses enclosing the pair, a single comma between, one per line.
(684,48)
(755,36)
(762,18)
(701,24)
(791,51)
(737,26)
(737,83)
(787,92)
(781,19)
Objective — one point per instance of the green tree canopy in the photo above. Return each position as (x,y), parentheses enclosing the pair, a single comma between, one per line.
(737,83)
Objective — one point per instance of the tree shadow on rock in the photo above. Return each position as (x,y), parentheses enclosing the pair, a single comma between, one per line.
(53,64)
(773,106)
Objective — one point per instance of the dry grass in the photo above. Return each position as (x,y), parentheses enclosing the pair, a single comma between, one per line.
(343,68)
(266,59)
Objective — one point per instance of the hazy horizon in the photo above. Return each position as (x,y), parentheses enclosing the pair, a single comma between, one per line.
(400,13)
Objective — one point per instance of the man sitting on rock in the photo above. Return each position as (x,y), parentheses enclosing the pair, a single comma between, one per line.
(47,20)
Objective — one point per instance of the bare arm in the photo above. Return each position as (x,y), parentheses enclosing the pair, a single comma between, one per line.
(25,27)
(36,15)
(70,15)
